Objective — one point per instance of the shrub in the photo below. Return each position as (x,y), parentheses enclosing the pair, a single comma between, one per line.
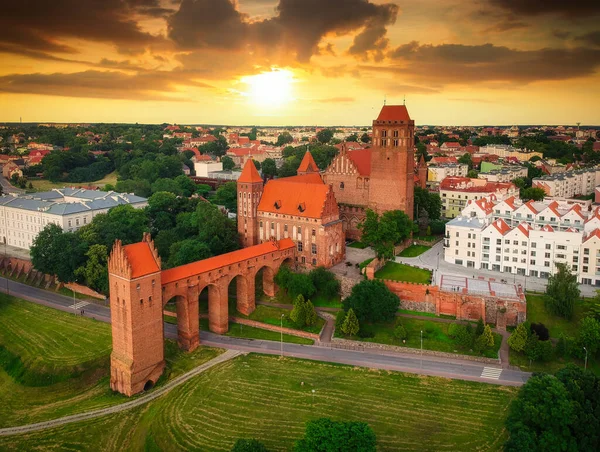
(479,328)
(488,336)
(453,330)
(326,435)
(464,336)
(372,301)
(325,282)
(400,333)
(298,314)
(350,326)
(248,445)
(310,313)
(544,351)
(518,339)
(541,331)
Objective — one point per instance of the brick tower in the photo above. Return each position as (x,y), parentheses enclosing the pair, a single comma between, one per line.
(137,359)
(249,189)
(392,161)
(307,165)
(422,172)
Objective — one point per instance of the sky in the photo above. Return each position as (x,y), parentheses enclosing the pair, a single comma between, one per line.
(300,62)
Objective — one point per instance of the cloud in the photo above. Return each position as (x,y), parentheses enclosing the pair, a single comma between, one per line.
(467,64)
(298,26)
(592,38)
(578,8)
(43,25)
(337,100)
(155,85)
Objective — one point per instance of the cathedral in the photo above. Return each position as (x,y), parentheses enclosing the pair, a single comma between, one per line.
(319,211)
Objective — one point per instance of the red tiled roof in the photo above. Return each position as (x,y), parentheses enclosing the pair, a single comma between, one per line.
(594,233)
(308,164)
(249,173)
(529,204)
(141,259)
(393,113)
(511,202)
(501,226)
(452,144)
(524,228)
(547,228)
(289,193)
(243,140)
(438,160)
(212,263)
(362,160)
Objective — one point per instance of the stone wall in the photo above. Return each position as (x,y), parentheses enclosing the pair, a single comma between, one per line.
(84,290)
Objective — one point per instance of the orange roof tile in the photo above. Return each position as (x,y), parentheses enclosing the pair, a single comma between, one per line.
(362,160)
(511,202)
(249,173)
(547,228)
(591,235)
(501,226)
(393,113)
(141,259)
(308,164)
(223,260)
(529,204)
(524,228)
(302,196)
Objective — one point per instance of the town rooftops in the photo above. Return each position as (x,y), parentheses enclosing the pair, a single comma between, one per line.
(393,113)
(300,196)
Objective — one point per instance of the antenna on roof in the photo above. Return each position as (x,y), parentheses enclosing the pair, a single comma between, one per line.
(404,100)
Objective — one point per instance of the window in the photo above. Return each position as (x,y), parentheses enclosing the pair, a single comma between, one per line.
(533,253)
(532,261)
(341,185)
(70,223)
(586,260)
(546,264)
(299,230)
(506,258)
(314,232)
(586,251)
(314,248)
(507,242)
(498,242)
(585,269)
(469,235)
(77,221)
(285,229)
(300,246)
(457,234)
(575,259)
(272,226)
(523,243)
(547,255)
(561,247)
(515,242)
(260,224)
(548,246)
(533,245)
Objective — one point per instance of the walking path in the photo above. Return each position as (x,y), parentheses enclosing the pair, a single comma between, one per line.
(229,354)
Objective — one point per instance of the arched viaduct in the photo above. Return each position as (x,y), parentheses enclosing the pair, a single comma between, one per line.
(139,291)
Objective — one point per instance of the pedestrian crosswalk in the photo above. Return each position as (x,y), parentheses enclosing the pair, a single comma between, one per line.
(492,373)
(79,305)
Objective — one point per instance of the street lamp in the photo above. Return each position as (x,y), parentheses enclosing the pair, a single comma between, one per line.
(281,331)
(313,397)
(585,365)
(421,349)
(7,290)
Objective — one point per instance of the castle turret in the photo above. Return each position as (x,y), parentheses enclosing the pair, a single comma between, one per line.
(249,190)
(308,165)
(422,172)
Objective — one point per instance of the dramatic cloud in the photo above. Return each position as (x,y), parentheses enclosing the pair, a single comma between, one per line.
(298,26)
(101,84)
(457,63)
(538,7)
(592,38)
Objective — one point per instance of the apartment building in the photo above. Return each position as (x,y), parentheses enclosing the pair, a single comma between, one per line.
(580,182)
(507,151)
(494,172)
(22,217)
(437,173)
(526,239)
(456,192)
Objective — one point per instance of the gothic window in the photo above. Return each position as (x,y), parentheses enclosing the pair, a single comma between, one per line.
(300,246)
(396,143)
(359,182)
(314,262)
(384,133)
(395,134)
(314,248)
(341,185)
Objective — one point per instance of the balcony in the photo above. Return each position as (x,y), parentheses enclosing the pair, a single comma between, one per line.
(446,243)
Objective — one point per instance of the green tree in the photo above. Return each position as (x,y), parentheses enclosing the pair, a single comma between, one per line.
(372,302)
(122,222)
(215,229)
(269,168)
(167,185)
(298,314)
(489,336)
(431,202)
(203,189)
(400,332)
(325,282)
(532,351)
(59,253)
(325,435)
(325,135)
(540,417)
(518,338)
(589,334)
(186,185)
(466,159)
(365,138)
(382,233)
(533,193)
(350,327)
(311,313)
(562,291)
(284,138)
(473,174)
(480,327)
(94,272)
(226,196)
(353,137)
(188,251)
(228,163)
(248,445)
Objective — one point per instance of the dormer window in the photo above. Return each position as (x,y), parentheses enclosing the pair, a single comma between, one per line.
(277,204)
(302,207)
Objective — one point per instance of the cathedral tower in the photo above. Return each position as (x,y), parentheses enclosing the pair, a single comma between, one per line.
(392,161)
(249,191)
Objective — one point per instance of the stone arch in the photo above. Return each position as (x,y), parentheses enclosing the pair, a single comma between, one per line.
(148,385)
(218,309)
(245,292)
(188,327)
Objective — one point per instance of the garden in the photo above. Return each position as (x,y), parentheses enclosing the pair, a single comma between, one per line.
(402,272)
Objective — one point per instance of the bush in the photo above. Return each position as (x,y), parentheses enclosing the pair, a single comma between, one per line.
(372,302)
(350,327)
(325,282)
(298,314)
(464,336)
(248,445)
(480,327)
(518,339)
(400,333)
(327,435)
(541,331)
(545,351)
(453,330)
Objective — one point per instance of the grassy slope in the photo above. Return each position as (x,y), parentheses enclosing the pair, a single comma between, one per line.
(248,332)
(270,399)
(272,316)
(401,272)
(537,313)
(414,251)
(45,185)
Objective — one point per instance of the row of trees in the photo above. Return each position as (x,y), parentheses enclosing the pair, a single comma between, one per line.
(318,281)
(385,231)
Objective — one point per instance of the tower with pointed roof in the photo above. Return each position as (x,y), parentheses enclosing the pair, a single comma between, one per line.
(422,172)
(308,165)
(137,359)
(392,161)
(249,190)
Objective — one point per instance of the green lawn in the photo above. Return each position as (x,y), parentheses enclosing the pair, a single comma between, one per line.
(414,250)
(427,238)
(363,264)
(359,245)
(435,337)
(324,302)
(54,364)
(46,185)
(521,361)
(270,399)
(249,332)
(419,313)
(273,316)
(537,313)
(401,272)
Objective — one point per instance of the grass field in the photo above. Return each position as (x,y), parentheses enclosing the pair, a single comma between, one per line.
(537,313)
(249,332)
(270,399)
(359,245)
(45,185)
(435,337)
(272,316)
(427,238)
(401,272)
(324,302)
(414,250)
(364,263)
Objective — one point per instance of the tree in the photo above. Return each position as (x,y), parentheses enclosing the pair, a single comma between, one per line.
(353,137)
(382,233)
(311,313)
(59,253)
(431,202)
(350,326)
(518,338)
(532,351)
(94,272)
(324,135)
(400,332)
(186,185)
(480,327)
(533,193)
(203,189)
(284,138)
(488,336)
(248,445)
(540,329)
(472,174)
(298,314)
(167,185)
(122,222)
(269,168)
(256,164)
(562,291)
(188,251)
(466,159)
(589,334)
(372,302)
(228,163)
(325,435)
(215,229)
(227,196)
(325,282)
(365,138)
(540,417)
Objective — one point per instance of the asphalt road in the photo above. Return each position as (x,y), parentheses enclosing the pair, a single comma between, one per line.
(7,187)
(405,362)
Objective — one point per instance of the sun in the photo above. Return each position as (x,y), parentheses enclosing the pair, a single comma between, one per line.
(270,89)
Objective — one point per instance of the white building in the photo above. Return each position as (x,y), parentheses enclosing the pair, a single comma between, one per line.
(437,173)
(202,168)
(569,184)
(507,151)
(22,217)
(505,174)
(526,239)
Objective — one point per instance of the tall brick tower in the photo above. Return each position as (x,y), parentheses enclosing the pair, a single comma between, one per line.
(422,172)
(249,189)
(392,161)
(137,359)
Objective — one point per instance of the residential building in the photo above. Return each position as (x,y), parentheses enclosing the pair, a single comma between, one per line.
(493,172)
(507,151)
(22,217)
(570,184)
(438,172)
(456,192)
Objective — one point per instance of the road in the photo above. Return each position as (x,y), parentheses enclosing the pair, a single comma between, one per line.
(404,362)
(7,187)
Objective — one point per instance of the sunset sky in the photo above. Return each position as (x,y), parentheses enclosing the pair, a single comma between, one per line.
(300,62)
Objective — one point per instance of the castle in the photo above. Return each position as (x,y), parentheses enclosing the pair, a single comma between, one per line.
(318,212)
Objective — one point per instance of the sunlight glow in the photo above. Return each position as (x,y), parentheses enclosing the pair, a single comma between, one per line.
(270,89)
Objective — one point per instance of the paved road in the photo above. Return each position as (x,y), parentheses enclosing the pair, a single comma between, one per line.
(405,362)
(229,354)
(7,187)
